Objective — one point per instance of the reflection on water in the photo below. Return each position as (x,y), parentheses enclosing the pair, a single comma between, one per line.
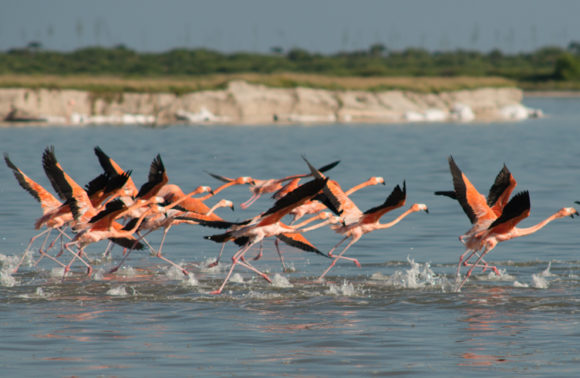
(491,327)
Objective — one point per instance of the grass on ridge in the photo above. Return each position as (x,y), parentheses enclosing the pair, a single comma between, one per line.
(182,85)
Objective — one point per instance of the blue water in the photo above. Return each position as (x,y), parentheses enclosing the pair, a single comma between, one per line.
(396,315)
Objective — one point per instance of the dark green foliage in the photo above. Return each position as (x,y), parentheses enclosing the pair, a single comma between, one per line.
(567,67)
(547,63)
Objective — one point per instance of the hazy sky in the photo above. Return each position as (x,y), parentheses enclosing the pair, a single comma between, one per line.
(316,25)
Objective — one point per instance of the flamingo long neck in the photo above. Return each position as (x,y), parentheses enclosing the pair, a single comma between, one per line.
(219,189)
(357,187)
(309,220)
(183,198)
(530,230)
(216,206)
(382,226)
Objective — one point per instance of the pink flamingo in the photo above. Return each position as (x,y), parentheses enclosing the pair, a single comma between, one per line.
(268,224)
(489,229)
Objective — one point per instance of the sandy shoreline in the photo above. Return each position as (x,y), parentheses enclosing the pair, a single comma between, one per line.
(242,103)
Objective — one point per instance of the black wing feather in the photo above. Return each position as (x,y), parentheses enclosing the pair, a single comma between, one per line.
(297,244)
(461,190)
(514,208)
(20,178)
(502,181)
(396,196)
(55,174)
(311,188)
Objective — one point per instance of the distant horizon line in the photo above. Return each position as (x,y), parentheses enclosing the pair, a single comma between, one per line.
(279,50)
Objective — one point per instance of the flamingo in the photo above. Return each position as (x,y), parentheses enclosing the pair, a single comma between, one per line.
(312,207)
(267,224)
(497,197)
(83,211)
(499,193)
(370,221)
(166,218)
(103,226)
(355,223)
(259,187)
(489,228)
(48,203)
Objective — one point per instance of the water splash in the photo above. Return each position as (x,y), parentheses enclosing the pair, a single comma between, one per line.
(418,276)
(546,272)
(118,291)
(346,289)
(503,276)
(237,278)
(127,271)
(539,280)
(520,284)
(99,274)
(8,265)
(174,273)
(190,280)
(57,272)
(207,267)
(280,281)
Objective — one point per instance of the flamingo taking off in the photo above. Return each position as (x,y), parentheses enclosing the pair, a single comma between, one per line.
(355,223)
(48,202)
(489,228)
(268,224)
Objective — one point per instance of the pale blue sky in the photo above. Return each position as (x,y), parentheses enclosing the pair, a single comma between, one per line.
(325,26)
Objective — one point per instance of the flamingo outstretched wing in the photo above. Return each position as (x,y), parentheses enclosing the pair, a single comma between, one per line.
(473,203)
(395,200)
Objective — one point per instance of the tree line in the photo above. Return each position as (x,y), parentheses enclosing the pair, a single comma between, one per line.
(549,63)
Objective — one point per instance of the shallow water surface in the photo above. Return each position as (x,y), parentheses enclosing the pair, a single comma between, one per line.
(397,314)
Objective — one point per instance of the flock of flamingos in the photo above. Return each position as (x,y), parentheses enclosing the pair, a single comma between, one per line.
(112,208)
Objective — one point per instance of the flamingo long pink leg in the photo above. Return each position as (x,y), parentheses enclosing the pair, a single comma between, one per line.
(44,252)
(250,201)
(47,232)
(259,255)
(277,244)
(218,258)
(77,255)
(489,248)
(237,260)
(338,257)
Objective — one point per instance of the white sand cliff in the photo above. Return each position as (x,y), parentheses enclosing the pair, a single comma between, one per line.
(243,103)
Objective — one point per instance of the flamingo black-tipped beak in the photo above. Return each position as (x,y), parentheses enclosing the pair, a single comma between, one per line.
(427,211)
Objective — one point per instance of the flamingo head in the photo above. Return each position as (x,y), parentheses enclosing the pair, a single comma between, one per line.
(227,203)
(245,180)
(420,207)
(204,189)
(567,211)
(377,180)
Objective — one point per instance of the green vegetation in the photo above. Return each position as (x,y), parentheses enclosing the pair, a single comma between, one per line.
(184,70)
